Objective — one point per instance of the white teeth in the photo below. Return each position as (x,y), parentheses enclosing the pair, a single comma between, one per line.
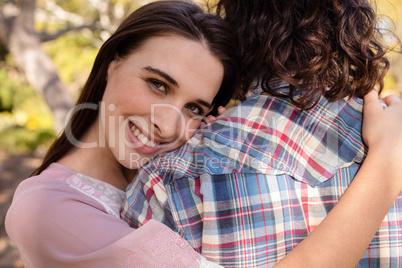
(136,131)
(142,138)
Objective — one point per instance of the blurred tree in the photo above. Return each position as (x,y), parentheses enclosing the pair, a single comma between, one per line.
(24,42)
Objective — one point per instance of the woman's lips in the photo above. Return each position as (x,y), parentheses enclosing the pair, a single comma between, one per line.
(137,133)
(140,141)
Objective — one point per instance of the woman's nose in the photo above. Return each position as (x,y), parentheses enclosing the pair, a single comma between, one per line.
(168,121)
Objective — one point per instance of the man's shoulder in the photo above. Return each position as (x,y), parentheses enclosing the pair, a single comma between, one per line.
(268,110)
(270,135)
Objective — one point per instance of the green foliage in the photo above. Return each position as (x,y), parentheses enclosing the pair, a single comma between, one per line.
(22,140)
(25,120)
(73,54)
(72,6)
(75,6)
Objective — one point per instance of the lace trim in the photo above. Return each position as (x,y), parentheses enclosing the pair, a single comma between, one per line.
(107,195)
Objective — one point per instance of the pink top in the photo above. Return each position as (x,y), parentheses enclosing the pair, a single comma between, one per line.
(62,218)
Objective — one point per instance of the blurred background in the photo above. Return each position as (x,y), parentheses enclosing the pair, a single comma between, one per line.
(46,52)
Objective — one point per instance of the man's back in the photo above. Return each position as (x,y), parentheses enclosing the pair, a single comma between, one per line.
(251,186)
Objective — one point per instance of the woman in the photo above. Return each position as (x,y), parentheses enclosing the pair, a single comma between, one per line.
(166,67)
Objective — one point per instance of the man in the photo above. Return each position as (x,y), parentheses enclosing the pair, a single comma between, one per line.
(248,188)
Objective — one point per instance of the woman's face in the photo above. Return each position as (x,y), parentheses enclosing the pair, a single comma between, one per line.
(156,97)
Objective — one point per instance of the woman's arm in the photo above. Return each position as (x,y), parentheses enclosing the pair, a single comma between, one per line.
(343,236)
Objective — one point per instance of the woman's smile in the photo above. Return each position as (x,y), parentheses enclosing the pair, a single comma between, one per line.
(140,136)
(140,142)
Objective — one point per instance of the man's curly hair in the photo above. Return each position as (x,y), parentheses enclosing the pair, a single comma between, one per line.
(328,48)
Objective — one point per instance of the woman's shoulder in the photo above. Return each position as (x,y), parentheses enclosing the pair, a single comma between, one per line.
(48,195)
(38,194)
(60,189)
(59,186)
(47,208)
(53,177)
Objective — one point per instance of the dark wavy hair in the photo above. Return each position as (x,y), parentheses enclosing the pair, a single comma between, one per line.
(154,19)
(328,48)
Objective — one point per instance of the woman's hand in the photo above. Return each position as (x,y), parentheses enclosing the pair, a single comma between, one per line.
(210,118)
(382,132)
(382,126)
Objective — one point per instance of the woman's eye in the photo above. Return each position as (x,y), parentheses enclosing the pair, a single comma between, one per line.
(159,85)
(195,109)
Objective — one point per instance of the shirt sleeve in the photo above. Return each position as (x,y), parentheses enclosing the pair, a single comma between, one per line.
(146,198)
(53,226)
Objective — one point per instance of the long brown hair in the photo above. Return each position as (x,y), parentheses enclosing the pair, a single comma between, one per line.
(325,48)
(154,19)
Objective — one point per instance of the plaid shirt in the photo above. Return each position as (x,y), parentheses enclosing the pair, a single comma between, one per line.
(249,187)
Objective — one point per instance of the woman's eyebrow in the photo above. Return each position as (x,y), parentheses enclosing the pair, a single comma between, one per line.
(204,103)
(163,74)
